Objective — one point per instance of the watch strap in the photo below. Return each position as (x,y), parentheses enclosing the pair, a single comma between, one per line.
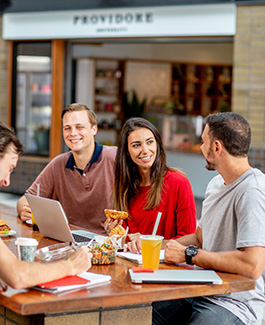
(189,259)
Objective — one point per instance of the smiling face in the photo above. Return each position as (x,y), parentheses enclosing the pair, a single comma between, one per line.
(8,163)
(142,148)
(78,132)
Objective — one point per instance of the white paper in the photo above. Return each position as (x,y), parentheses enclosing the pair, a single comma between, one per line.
(10,292)
(137,258)
(95,279)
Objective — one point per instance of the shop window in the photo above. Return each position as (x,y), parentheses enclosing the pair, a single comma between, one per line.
(31,102)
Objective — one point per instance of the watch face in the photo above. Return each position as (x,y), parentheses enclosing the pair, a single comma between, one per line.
(190,251)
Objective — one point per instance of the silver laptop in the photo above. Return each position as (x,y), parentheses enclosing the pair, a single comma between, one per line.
(176,276)
(52,221)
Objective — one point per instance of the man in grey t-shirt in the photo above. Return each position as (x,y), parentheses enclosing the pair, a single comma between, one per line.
(231,233)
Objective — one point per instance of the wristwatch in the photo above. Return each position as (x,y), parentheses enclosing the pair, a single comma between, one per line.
(190,252)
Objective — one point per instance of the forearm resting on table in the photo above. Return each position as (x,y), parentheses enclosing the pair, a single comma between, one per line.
(189,240)
(19,274)
(185,241)
(26,275)
(249,261)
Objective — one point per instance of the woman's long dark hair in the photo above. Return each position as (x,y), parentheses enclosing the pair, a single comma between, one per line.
(127,176)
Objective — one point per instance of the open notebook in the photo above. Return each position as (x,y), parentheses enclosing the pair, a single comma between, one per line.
(137,258)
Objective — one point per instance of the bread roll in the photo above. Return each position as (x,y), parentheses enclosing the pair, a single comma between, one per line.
(118,230)
(116,215)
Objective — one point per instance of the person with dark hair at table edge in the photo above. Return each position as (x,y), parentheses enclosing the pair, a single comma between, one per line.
(145,185)
(231,232)
(82,179)
(20,274)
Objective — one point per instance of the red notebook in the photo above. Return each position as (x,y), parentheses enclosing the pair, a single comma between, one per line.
(67,281)
(81,281)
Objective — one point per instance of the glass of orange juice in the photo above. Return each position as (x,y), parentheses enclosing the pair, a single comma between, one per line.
(151,246)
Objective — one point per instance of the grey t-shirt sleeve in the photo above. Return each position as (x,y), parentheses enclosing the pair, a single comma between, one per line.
(250,212)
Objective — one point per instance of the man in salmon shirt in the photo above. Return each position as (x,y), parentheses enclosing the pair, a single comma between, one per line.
(81,179)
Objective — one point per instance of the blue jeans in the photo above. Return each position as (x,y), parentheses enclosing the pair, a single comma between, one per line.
(192,311)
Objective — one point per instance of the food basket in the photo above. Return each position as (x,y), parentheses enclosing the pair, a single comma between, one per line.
(103,254)
(54,252)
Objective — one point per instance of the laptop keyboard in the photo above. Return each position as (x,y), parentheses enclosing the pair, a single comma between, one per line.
(81,239)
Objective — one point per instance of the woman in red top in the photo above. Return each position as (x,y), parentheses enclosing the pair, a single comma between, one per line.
(145,185)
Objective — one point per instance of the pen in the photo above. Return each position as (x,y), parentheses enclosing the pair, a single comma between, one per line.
(90,242)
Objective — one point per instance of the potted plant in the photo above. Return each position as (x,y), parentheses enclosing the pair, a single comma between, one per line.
(42,137)
(132,106)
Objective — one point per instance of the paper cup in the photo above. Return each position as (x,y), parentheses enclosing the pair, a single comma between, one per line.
(26,248)
(151,246)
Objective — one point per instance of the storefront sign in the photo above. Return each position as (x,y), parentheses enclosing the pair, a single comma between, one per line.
(168,21)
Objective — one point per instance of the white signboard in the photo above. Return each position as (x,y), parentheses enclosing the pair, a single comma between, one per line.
(168,21)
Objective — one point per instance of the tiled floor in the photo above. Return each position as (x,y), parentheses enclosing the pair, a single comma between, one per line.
(9,199)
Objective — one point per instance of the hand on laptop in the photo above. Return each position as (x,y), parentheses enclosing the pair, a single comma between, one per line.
(25,213)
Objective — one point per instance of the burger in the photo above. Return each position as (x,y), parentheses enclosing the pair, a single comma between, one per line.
(4,228)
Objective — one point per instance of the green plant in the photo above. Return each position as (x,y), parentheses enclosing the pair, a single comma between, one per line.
(42,127)
(42,137)
(132,106)
(224,107)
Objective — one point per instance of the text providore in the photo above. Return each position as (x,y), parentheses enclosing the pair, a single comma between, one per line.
(128,18)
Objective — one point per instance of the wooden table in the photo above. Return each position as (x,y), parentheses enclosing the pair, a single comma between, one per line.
(119,302)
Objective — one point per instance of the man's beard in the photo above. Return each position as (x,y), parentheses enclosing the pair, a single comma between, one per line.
(210,165)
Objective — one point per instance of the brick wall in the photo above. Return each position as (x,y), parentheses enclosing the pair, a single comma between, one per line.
(249,70)
(25,173)
(3,76)
(256,158)
(248,98)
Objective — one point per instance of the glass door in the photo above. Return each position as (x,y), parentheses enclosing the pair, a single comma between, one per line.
(32,108)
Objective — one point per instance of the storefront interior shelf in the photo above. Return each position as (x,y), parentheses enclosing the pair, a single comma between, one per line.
(201,89)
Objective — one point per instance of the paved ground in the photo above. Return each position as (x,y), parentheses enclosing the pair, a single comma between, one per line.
(9,199)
